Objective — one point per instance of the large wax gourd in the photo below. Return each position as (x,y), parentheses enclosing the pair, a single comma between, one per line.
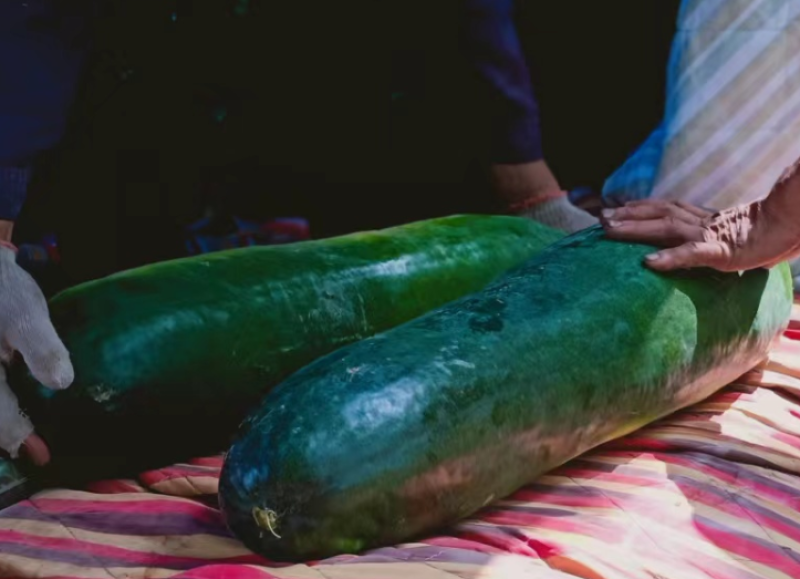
(169,357)
(419,426)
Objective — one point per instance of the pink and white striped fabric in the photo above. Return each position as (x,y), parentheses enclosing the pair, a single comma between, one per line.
(709,493)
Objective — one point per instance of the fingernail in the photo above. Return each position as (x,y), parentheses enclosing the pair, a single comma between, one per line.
(614,223)
(653,257)
(608,213)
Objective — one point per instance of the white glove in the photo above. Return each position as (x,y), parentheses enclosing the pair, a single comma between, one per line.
(25,327)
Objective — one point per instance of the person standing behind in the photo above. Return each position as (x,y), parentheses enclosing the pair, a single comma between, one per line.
(520,175)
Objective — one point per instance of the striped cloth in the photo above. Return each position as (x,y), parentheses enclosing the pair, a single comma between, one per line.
(732,122)
(712,492)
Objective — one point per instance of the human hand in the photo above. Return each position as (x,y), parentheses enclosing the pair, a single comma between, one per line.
(736,239)
(25,327)
(530,190)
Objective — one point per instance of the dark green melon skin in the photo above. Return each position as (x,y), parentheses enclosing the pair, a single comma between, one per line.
(170,357)
(411,430)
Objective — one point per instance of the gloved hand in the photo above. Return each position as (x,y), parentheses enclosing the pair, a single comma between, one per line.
(531,190)
(25,327)
(736,239)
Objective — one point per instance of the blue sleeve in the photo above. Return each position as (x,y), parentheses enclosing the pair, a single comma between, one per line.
(40,62)
(495,52)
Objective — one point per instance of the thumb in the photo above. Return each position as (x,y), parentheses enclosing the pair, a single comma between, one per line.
(44,352)
(689,255)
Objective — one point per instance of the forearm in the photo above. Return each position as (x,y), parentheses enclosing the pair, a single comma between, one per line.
(776,220)
(6,230)
(765,232)
(782,204)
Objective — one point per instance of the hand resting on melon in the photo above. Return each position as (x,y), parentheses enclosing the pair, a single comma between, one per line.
(25,327)
(761,234)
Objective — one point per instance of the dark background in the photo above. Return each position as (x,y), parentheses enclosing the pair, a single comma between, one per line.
(266,109)
(600,70)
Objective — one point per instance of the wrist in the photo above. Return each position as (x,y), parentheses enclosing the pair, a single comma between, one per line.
(778,224)
(8,245)
(754,235)
(6,230)
(523,206)
(520,187)
(780,208)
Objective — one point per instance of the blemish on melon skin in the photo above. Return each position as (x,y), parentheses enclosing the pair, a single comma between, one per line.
(621,328)
(463,364)
(486,324)
(250,480)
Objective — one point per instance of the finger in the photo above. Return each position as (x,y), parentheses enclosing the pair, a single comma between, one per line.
(640,202)
(700,212)
(15,427)
(652,210)
(45,354)
(666,232)
(649,203)
(36,450)
(690,255)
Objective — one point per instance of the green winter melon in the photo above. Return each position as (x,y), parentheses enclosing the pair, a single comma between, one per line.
(170,357)
(415,428)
